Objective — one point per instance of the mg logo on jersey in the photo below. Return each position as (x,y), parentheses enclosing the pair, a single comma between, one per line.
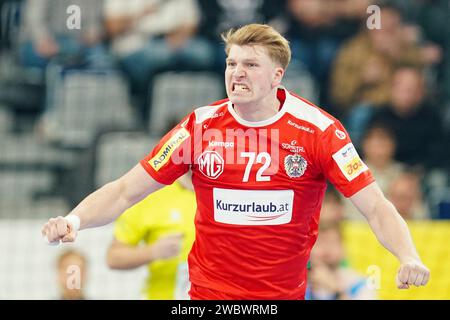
(211,164)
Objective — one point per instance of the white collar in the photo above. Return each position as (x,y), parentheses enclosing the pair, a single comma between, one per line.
(262,123)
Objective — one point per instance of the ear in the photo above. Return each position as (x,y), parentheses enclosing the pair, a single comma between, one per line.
(277,77)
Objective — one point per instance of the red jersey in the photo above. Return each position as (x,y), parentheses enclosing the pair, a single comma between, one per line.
(259,189)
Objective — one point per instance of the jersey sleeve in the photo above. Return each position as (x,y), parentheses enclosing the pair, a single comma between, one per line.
(340,161)
(172,157)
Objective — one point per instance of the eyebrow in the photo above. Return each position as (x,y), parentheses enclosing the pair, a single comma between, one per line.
(245,60)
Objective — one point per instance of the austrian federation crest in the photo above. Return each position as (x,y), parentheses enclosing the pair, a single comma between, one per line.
(295,165)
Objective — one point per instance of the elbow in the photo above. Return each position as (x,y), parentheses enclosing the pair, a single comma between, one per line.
(375,212)
(382,211)
(128,195)
(123,196)
(113,260)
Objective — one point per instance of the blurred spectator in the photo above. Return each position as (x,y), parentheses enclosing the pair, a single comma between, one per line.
(419,11)
(379,147)
(59,35)
(47,34)
(363,69)
(218,16)
(405,193)
(446,140)
(149,36)
(316,29)
(72,267)
(9,19)
(432,29)
(165,223)
(329,277)
(416,123)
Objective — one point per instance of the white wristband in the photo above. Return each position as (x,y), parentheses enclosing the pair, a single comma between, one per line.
(74,221)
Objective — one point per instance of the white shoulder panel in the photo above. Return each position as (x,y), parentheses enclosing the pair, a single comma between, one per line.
(306,112)
(204,113)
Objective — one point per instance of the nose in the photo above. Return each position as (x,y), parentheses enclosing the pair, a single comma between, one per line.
(239,71)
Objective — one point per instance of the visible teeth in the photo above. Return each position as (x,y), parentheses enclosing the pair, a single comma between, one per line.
(240,87)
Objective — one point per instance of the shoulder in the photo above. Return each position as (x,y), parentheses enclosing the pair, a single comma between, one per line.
(210,111)
(302,109)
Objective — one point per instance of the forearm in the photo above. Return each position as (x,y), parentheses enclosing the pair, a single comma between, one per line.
(102,206)
(392,231)
(107,203)
(127,257)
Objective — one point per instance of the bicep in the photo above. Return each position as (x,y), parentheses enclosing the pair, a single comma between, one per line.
(136,184)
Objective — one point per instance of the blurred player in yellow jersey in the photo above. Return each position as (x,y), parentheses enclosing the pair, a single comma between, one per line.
(164,222)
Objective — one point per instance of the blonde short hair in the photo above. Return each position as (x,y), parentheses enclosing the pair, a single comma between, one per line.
(263,35)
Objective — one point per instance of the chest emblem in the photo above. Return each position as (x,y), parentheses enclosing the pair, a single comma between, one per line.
(295,165)
(211,164)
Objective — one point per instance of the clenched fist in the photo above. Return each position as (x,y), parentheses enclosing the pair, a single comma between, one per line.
(61,229)
(414,273)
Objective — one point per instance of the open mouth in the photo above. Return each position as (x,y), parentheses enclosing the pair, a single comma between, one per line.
(240,88)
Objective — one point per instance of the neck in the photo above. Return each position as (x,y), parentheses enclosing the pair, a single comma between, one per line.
(261,111)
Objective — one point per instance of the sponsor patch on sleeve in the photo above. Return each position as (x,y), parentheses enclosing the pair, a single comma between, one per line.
(349,162)
(164,153)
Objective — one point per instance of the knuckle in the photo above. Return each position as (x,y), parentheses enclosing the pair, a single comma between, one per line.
(62,223)
(68,239)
